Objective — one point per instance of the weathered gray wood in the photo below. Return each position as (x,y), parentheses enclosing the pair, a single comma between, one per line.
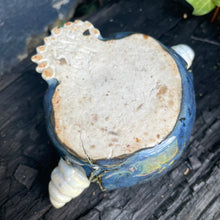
(22,19)
(191,190)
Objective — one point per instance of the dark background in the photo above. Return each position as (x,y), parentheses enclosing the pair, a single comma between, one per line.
(191,190)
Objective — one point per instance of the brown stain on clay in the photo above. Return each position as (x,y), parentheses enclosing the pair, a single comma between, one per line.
(139,107)
(162,90)
(158,136)
(68,23)
(41,48)
(48,72)
(95,31)
(129,148)
(56,100)
(42,65)
(132,148)
(92,146)
(55,119)
(145,36)
(37,58)
(48,39)
(56,30)
(113,133)
(114,140)
(103,129)
(58,129)
(56,108)
(62,61)
(174,68)
(138,140)
(170,103)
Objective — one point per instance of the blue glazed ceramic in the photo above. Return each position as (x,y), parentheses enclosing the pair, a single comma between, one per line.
(147,163)
(144,164)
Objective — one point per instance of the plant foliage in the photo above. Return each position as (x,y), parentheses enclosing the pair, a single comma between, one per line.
(202,7)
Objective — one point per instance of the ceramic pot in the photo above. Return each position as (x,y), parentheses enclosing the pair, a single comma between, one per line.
(73,174)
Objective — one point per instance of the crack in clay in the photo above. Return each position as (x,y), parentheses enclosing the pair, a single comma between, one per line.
(84,150)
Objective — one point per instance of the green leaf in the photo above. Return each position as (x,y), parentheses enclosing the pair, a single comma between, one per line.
(216,2)
(202,7)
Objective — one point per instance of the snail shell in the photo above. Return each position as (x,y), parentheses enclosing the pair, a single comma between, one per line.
(185,52)
(67,182)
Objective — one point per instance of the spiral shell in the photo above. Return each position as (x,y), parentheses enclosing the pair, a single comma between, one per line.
(67,182)
(185,52)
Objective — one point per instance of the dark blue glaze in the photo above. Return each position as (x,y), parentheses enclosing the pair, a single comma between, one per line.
(144,164)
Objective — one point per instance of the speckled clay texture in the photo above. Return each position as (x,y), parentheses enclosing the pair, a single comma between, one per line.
(144,164)
(114,97)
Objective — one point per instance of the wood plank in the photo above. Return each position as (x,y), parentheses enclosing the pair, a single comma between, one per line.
(24,142)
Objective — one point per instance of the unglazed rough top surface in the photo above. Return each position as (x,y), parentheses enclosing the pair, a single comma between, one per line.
(114,97)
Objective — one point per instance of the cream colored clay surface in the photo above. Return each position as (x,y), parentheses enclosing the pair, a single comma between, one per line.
(113,97)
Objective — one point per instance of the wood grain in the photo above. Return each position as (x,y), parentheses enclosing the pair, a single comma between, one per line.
(191,190)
